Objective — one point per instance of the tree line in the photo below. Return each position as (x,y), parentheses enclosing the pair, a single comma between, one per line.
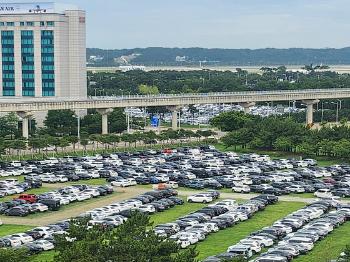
(42,144)
(283,134)
(204,81)
(131,241)
(216,56)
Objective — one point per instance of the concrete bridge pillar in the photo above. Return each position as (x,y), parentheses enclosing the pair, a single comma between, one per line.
(174,119)
(246,106)
(310,110)
(25,122)
(104,113)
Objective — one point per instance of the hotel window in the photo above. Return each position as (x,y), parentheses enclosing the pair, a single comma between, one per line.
(30,23)
(2,23)
(42,23)
(50,23)
(10,23)
(21,23)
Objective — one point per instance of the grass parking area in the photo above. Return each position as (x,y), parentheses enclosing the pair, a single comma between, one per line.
(219,242)
(7,229)
(19,178)
(31,191)
(66,211)
(322,161)
(330,247)
(174,213)
(90,182)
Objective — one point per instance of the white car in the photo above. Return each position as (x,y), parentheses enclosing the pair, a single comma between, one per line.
(63,201)
(254,245)
(15,242)
(241,189)
(263,241)
(300,241)
(92,192)
(147,208)
(321,193)
(40,207)
(44,244)
(124,182)
(192,237)
(183,242)
(172,184)
(24,238)
(296,189)
(18,189)
(200,198)
(61,178)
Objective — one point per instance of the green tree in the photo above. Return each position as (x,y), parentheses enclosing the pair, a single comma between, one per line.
(84,142)
(230,121)
(17,144)
(73,140)
(148,90)
(9,125)
(132,241)
(92,123)
(117,122)
(14,255)
(61,123)
(283,144)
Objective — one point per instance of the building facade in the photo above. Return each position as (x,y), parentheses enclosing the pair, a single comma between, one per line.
(42,51)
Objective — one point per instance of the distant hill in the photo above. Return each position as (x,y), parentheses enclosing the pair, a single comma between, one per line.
(158,56)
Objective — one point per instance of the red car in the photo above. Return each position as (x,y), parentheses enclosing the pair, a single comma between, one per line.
(329,180)
(30,198)
(167,151)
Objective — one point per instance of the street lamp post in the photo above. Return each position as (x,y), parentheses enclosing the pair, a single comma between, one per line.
(337,111)
(337,115)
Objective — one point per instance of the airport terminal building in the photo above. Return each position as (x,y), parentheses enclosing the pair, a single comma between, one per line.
(42,51)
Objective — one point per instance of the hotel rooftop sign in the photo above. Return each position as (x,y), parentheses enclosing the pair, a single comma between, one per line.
(26,8)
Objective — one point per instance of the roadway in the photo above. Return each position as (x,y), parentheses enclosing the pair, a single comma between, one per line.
(44,104)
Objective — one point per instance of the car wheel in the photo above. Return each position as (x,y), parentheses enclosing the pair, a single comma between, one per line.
(190,200)
(205,201)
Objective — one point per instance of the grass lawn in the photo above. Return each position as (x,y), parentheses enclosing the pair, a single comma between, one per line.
(330,247)
(43,257)
(219,242)
(91,182)
(12,229)
(19,178)
(303,195)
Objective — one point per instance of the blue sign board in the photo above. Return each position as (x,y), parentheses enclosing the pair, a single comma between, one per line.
(155,121)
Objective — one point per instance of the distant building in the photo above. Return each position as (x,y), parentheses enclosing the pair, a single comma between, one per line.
(131,67)
(42,51)
(94,58)
(180,58)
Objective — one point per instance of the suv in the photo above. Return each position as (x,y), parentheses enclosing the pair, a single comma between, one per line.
(52,204)
(29,198)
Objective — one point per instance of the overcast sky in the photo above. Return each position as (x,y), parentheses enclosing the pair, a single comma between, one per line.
(216,23)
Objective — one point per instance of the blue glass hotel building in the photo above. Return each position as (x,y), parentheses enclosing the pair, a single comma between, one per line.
(42,51)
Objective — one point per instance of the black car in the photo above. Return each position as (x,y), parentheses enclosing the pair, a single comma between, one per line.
(33,248)
(272,191)
(17,211)
(342,192)
(177,200)
(53,204)
(159,207)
